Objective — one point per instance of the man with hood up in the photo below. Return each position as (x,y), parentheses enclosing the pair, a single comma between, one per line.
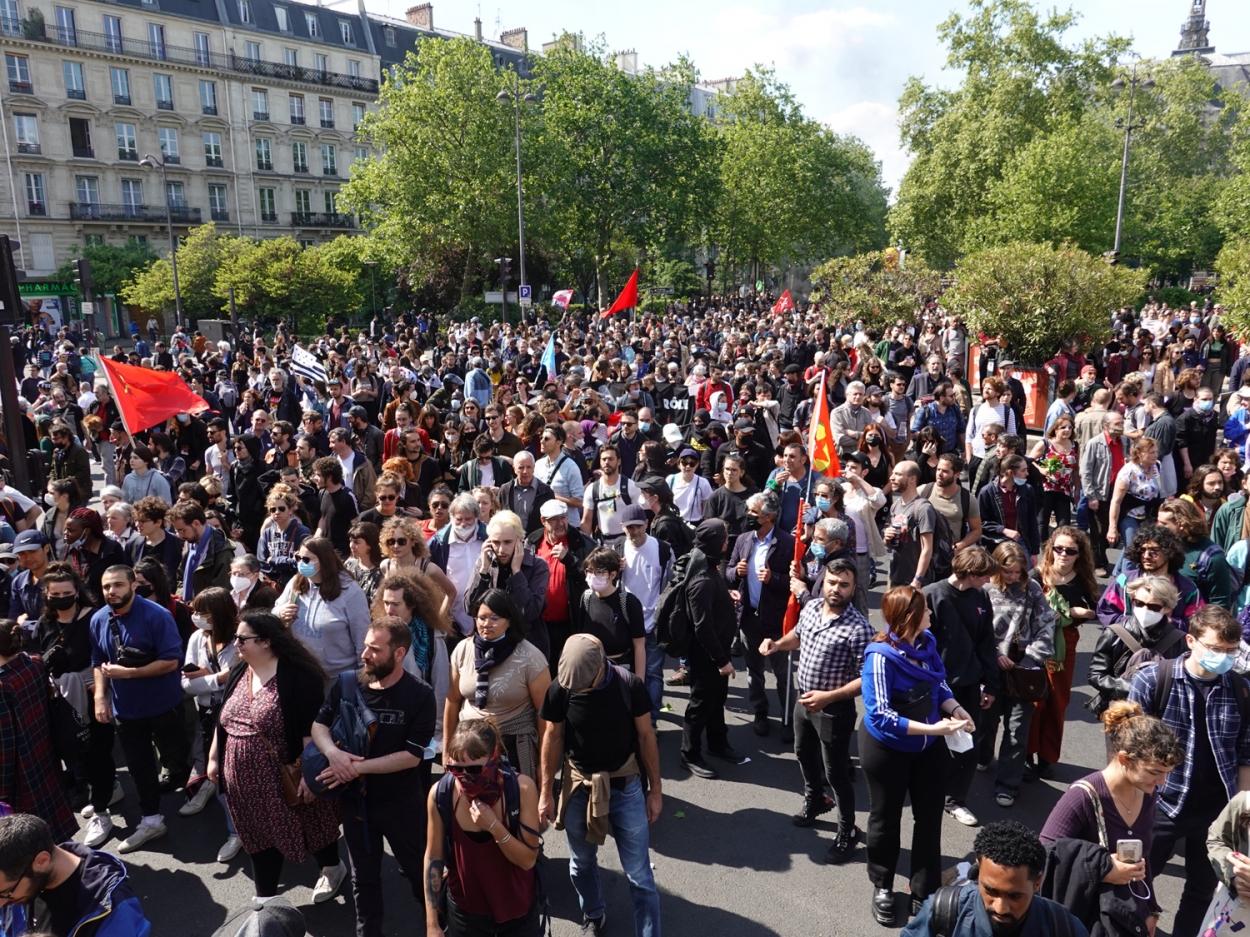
(246,493)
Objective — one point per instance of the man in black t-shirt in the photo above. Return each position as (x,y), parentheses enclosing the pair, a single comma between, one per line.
(384,796)
(611,614)
(338,504)
(599,723)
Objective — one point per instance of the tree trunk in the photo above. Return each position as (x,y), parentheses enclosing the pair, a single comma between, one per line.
(470,271)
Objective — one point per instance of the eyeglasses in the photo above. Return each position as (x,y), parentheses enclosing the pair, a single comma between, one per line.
(8,893)
(1065,551)
(1154,607)
(387,497)
(1216,650)
(397,542)
(242,639)
(1151,551)
(280,509)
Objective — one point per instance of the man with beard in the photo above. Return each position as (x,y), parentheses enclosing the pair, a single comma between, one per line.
(136,652)
(830,637)
(1003,899)
(392,804)
(84,891)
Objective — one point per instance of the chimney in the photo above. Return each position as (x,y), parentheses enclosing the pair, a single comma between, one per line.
(477,28)
(627,61)
(422,16)
(516,38)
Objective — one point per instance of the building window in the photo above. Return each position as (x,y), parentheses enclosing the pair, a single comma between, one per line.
(345,30)
(299,156)
(260,104)
(10,22)
(127,147)
(164,86)
(75,89)
(388,33)
(332,203)
(175,195)
(320,62)
(212,149)
(358,115)
(353,68)
(88,188)
(65,32)
(36,202)
(26,126)
(264,154)
(268,205)
(362,153)
(307,242)
(18,67)
(93,240)
(121,85)
(203,53)
(245,11)
(169,144)
(217,203)
(156,40)
(208,97)
(311,20)
(43,255)
(80,138)
(253,52)
(132,195)
(326,107)
(291,57)
(297,108)
(327,160)
(284,19)
(113,33)
(303,201)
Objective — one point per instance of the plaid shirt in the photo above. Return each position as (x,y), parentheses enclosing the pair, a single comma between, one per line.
(1229,742)
(831,648)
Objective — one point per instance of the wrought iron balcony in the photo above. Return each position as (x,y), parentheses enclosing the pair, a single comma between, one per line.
(37,208)
(210,109)
(84,152)
(260,115)
(327,123)
(76,94)
(165,105)
(322,219)
(95,211)
(297,119)
(213,161)
(219,214)
(30,149)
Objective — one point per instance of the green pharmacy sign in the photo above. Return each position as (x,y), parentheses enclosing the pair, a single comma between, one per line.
(27,288)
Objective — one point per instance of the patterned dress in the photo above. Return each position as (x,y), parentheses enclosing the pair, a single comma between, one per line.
(254,786)
(1061,480)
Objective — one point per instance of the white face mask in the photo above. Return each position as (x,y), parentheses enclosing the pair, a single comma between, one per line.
(599,581)
(201,621)
(1145,617)
(239,583)
(466,532)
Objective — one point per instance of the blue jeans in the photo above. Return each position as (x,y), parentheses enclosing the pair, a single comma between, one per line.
(1082,514)
(654,678)
(1128,530)
(627,813)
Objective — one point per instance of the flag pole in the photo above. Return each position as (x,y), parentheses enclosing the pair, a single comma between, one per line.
(108,378)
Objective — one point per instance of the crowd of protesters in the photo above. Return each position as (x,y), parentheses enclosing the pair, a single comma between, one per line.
(480,547)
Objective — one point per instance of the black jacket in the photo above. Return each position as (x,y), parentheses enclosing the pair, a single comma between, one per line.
(774,594)
(574,578)
(712,615)
(73,462)
(543,493)
(1073,877)
(1111,656)
(967,645)
(1196,433)
(370,443)
(757,456)
(247,495)
(300,694)
(990,501)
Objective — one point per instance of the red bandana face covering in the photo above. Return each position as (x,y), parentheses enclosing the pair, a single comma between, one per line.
(479,782)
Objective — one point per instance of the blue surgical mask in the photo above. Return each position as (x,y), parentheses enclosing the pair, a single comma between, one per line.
(644,427)
(823,503)
(818,550)
(307,570)
(1020,481)
(1215,661)
(78,543)
(184,417)
(1204,405)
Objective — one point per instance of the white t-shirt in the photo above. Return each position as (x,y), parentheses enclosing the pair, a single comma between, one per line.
(565,479)
(610,503)
(643,577)
(689,496)
(461,558)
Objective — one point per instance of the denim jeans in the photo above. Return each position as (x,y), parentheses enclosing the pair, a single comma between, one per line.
(654,678)
(627,813)
(1127,531)
(1016,718)
(1082,514)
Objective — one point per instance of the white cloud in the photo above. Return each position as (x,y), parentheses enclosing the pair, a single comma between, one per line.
(877,125)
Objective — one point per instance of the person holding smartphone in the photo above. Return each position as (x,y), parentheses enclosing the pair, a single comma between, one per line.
(1113,811)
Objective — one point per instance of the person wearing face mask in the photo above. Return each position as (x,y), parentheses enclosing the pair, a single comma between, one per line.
(70,460)
(1149,625)
(1008,507)
(1196,430)
(1200,698)
(87,549)
(247,589)
(610,613)
(456,550)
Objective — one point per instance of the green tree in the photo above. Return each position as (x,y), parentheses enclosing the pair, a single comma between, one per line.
(1232,208)
(873,287)
(619,160)
(445,163)
(790,188)
(1233,266)
(200,255)
(681,275)
(112,267)
(1037,295)
(1020,81)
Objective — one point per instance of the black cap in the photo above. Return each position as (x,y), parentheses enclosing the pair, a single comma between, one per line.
(744,425)
(860,457)
(793,369)
(358,413)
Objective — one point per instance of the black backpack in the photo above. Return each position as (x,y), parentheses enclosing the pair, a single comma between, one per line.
(674,629)
(1140,655)
(945,913)
(596,489)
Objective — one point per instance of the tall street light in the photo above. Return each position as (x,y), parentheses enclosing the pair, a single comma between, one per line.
(372,265)
(1131,82)
(517,99)
(151,162)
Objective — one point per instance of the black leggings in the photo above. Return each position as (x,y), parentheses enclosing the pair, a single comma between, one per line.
(1058,503)
(267,866)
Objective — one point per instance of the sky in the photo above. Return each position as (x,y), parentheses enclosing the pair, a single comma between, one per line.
(847,62)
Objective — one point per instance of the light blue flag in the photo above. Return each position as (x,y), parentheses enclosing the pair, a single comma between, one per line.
(549,358)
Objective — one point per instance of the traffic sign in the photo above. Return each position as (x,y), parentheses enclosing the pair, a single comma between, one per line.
(525,295)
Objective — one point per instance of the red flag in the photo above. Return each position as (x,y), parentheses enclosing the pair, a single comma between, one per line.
(147,398)
(629,296)
(783,304)
(792,606)
(820,441)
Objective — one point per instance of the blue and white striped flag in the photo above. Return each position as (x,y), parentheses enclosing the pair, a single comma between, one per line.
(549,358)
(304,363)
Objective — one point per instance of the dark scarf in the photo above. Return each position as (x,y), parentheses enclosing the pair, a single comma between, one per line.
(487,656)
(421,645)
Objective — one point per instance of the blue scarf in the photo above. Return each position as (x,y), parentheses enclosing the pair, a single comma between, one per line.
(421,642)
(909,657)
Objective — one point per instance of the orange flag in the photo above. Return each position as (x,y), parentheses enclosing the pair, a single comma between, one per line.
(800,548)
(820,438)
(628,298)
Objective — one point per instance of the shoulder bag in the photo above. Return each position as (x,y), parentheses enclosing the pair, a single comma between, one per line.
(1023,684)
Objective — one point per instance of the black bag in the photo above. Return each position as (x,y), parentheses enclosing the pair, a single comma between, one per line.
(673,628)
(70,731)
(128,656)
(916,703)
(1024,684)
(352,731)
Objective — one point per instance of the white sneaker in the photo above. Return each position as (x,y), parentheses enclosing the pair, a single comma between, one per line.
(197,803)
(98,831)
(143,833)
(230,849)
(88,811)
(964,816)
(329,884)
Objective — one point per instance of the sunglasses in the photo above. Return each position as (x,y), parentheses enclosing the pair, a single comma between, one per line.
(1065,551)
(1153,606)
(244,638)
(387,497)
(397,542)
(472,770)
(439,505)
(277,510)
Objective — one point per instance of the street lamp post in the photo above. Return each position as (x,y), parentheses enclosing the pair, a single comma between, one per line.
(373,285)
(1119,85)
(517,99)
(152,163)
